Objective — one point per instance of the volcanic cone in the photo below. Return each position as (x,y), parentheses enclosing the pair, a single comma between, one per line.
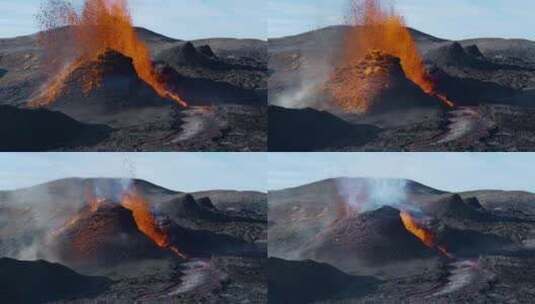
(367,239)
(377,84)
(102,235)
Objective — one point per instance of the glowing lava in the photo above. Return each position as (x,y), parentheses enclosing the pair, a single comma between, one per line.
(422,233)
(377,27)
(146,222)
(99,26)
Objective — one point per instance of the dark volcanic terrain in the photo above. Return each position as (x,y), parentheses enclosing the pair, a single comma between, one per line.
(223,81)
(83,241)
(346,240)
(491,82)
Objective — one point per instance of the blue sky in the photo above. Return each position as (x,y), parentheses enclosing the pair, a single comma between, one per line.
(183,19)
(179,171)
(191,19)
(451,19)
(445,171)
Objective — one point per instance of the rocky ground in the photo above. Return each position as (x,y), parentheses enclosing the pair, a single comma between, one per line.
(220,236)
(490,81)
(223,81)
(480,248)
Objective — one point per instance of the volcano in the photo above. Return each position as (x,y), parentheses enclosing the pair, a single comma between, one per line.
(104,236)
(92,64)
(381,237)
(118,88)
(424,244)
(377,84)
(119,229)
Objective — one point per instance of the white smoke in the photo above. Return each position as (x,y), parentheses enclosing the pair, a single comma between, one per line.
(373,193)
(309,70)
(305,93)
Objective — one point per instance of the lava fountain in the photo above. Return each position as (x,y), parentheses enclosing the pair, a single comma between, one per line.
(378,27)
(99,26)
(146,221)
(418,230)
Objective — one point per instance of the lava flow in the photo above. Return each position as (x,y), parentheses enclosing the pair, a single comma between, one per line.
(422,233)
(146,222)
(101,25)
(377,27)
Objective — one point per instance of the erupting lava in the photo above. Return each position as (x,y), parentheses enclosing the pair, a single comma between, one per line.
(146,222)
(422,233)
(101,25)
(379,28)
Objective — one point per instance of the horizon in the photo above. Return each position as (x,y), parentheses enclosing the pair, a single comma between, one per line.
(206,171)
(458,19)
(174,19)
(389,178)
(451,172)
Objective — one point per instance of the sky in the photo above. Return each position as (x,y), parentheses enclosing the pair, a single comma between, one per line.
(451,19)
(181,19)
(187,172)
(453,172)
(192,19)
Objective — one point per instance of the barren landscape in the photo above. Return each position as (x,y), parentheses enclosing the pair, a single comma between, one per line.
(101,84)
(364,240)
(468,95)
(123,241)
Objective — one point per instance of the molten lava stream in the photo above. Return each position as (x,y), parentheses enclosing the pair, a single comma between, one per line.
(100,26)
(146,222)
(422,233)
(378,27)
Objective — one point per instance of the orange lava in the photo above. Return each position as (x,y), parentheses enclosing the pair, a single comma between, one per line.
(100,25)
(422,233)
(379,27)
(146,222)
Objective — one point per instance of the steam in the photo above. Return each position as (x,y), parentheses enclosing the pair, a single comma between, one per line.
(305,92)
(41,210)
(309,70)
(371,194)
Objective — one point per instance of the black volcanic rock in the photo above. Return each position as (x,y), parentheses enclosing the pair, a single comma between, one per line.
(307,281)
(471,243)
(205,202)
(186,210)
(206,50)
(454,206)
(196,242)
(105,236)
(309,129)
(473,202)
(473,50)
(187,55)
(467,91)
(41,129)
(203,91)
(367,239)
(43,282)
(452,54)
(456,56)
